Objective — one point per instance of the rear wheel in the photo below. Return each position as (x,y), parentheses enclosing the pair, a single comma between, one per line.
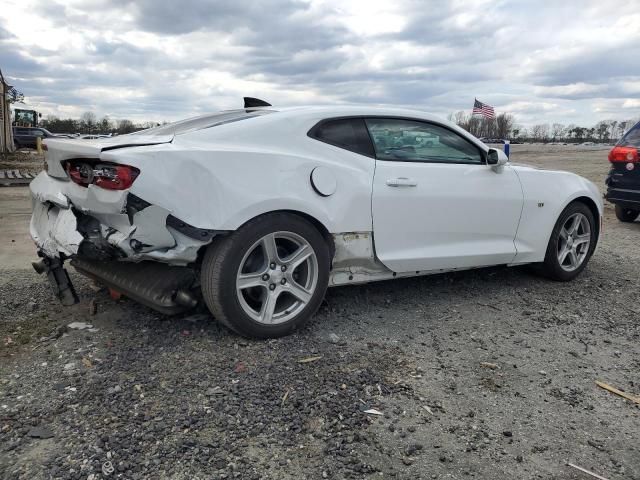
(626,214)
(267,278)
(571,244)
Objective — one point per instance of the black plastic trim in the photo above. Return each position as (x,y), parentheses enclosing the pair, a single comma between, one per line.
(190,231)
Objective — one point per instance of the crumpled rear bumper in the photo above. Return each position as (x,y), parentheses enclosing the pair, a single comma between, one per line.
(70,220)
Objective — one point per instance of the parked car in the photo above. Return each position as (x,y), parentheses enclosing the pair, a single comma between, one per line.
(623,181)
(255,212)
(25,137)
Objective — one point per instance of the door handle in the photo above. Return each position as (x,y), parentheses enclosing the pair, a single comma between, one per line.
(401,182)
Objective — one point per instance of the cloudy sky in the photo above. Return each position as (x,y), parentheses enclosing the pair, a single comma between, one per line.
(541,60)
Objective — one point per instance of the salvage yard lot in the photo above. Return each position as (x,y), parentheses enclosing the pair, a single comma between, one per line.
(482,374)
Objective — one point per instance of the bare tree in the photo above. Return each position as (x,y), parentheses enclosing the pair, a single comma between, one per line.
(88,122)
(125,126)
(557,131)
(504,124)
(540,132)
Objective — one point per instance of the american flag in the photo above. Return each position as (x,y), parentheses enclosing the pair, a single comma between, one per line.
(483,109)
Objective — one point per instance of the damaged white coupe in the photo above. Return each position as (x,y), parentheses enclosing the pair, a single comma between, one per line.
(255,212)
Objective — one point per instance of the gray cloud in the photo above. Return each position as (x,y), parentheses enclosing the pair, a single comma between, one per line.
(163,59)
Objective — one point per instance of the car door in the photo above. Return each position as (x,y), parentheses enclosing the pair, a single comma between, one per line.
(436,204)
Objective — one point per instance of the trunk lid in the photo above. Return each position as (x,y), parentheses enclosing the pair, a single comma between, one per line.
(61,149)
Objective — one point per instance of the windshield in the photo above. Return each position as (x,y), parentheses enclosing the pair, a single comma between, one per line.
(202,122)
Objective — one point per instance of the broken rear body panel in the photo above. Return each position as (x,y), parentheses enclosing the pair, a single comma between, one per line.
(102,224)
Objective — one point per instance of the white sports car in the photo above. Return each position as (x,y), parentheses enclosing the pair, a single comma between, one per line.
(257,211)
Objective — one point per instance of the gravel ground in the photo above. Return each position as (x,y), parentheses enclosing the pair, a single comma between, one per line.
(481,374)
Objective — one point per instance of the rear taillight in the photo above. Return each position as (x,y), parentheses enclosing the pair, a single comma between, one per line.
(110,176)
(623,154)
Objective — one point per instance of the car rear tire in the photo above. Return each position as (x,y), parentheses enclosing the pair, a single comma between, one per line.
(626,214)
(267,278)
(572,242)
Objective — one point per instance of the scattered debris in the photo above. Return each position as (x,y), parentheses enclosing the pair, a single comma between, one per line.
(584,470)
(611,389)
(213,391)
(426,407)
(240,367)
(490,306)
(373,411)
(492,366)
(284,397)
(310,359)
(107,468)
(334,338)
(86,362)
(40,432)
(79,326)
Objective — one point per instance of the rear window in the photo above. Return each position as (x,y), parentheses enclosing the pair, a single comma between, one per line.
(632,137)
(205,121)
(348,133)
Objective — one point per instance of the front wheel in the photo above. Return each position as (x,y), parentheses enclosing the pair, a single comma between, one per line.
(267,278)
(626,214)
(571,244)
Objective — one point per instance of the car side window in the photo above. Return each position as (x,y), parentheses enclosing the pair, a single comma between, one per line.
(348,133)
(415,141)
(37,133)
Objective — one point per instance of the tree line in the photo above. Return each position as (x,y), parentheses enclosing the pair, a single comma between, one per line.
(88,123)
(504,126)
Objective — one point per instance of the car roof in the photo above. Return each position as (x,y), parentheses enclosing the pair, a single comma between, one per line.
(356,110)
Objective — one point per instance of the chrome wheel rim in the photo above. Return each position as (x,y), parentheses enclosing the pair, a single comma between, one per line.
(277,278)
(574,241)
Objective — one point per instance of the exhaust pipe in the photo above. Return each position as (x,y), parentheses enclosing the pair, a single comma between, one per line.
(185,298)
(58,279)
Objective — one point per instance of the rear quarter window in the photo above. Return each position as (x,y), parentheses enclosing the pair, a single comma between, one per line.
(347,133)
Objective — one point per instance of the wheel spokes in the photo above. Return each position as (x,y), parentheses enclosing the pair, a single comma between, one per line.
(575,222)
(248,280)
(299,292)
(270,248)
(296,258)
(580,239)
(269,306)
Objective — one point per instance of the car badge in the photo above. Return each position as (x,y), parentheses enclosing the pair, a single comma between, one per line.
(630,166)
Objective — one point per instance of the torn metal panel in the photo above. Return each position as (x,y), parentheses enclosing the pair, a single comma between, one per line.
(54,230)
(45,189)
(151,228)
(185,251)
(93,199)
(354,260)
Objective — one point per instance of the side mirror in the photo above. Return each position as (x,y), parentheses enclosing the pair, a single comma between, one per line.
(497,159)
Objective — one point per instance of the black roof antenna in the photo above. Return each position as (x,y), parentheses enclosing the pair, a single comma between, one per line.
(250,102)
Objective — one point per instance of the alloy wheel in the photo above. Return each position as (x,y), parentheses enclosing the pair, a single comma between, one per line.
(573,242)
(277,277)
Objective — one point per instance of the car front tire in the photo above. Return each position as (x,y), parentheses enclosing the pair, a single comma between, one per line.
(626,215)
(572,243)
(267,278)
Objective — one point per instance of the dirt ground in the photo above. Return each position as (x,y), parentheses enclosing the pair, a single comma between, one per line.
(484,374)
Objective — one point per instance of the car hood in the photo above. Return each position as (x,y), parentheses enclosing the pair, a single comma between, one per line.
(60,149)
